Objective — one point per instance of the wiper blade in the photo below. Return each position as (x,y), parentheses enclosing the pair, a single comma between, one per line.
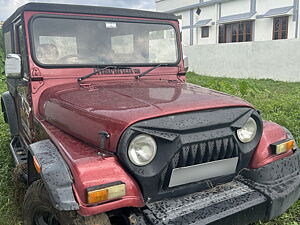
(148,71)
(99,71)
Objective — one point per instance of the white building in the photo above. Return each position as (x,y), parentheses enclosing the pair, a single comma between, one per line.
(252,26)
(222,21)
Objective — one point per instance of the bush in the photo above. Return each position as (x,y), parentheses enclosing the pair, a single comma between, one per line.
(2,56)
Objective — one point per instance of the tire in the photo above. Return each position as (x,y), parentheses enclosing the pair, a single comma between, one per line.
(37,210)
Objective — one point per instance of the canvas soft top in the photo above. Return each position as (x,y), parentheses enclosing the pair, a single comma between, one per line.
(92,10)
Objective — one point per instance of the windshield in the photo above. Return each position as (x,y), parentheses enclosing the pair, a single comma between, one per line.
(69,41)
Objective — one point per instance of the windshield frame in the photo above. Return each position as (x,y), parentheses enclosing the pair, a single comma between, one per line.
(90,17)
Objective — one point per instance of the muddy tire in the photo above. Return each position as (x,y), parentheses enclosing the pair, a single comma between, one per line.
(38,210)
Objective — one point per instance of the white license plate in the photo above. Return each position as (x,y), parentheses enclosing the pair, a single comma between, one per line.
(190,174)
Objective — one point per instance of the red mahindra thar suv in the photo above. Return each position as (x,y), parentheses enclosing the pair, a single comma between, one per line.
(107,131)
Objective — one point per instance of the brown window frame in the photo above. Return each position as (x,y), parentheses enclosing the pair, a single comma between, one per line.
(280,30)
(202,32)
(237,31)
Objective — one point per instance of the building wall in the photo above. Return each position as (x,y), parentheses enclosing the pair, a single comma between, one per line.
(208,13)
(186,32)
(235,7)
(167,5)
(263,28)
(278,60)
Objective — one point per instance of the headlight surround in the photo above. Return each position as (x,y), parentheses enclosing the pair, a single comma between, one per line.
(248,132)
(142,150)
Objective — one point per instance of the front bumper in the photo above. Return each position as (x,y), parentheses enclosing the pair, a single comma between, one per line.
(259,194)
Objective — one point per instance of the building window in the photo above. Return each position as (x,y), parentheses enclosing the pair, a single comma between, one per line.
(280,30)
(236,32)
(205,32)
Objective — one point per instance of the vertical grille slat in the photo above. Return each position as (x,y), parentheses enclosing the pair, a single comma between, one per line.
(168,170)
(236,151)
(230,149)
(218,149)
(183,156)
(192,155)
(198,153)
(211,148)
(224,148)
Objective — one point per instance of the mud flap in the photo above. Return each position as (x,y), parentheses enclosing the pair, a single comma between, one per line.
(55,174)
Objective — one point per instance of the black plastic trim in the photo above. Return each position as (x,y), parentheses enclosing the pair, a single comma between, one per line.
(279,181)
(258,194)
(233,203)
(10,112)
(55,174)
(173,132)
(84,9)
(98,187)
(274,145)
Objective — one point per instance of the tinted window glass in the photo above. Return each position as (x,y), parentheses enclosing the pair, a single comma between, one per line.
(93,42)
(22,47)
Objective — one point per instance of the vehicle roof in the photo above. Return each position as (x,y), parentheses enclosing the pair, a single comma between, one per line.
(84,9)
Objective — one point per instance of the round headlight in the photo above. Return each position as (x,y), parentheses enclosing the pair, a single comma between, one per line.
(142,150)
(248,131)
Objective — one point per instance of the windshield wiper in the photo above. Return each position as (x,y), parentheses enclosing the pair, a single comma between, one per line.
(148,71)
(100,70)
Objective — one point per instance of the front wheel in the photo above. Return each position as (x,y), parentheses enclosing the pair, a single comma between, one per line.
(38,210)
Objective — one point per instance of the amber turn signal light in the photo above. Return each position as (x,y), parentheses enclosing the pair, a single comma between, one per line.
(105,192)
(36,165)
(283,146)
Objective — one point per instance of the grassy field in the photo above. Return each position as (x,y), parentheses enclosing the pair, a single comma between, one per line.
(9,209)
(278,101)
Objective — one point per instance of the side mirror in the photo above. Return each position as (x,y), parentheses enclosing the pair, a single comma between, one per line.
(186,63)
(13,66)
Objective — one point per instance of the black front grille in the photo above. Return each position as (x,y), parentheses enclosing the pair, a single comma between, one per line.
(188,139)
(202,152)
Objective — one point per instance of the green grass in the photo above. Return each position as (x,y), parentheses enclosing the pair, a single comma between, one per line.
(278,102)
(9,209)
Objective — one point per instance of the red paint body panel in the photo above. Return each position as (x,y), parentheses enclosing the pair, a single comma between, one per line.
(113,106)
(89,169)
(263,155)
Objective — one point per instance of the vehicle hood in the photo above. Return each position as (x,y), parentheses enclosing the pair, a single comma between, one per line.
(86,110)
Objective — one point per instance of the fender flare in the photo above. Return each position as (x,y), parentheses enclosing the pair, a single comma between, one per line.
(263,155)
(10,113)
(55,175)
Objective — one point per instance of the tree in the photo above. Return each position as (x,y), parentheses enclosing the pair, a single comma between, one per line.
(1,41)
(1,54)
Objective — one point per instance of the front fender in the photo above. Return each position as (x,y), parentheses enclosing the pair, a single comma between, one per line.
(90,168)
(55,175)
(263,155)
(100,172)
